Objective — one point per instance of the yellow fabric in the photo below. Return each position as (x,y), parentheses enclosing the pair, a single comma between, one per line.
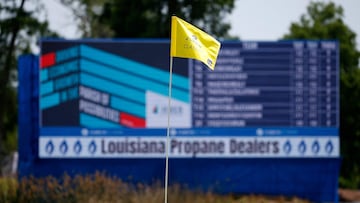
(188,41)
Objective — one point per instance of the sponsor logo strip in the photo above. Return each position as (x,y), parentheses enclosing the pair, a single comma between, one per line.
(188,147)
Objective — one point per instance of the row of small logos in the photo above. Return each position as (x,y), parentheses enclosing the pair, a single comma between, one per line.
(315,147)
(103,147)
(64,147)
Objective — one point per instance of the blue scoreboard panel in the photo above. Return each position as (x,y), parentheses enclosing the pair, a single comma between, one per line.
(108,99)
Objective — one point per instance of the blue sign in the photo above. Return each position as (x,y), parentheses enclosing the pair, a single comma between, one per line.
(273,93)
(267,115)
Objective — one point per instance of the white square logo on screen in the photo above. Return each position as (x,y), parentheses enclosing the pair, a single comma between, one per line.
(157,112)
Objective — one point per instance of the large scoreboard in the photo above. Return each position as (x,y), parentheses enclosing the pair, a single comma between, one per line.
(109,99)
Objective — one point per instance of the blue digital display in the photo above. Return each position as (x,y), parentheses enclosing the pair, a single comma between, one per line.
(264,99)
(292,83)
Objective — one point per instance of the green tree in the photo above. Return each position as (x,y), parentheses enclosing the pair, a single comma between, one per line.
(148,18)
(325,21)
(86,15)
(18,29)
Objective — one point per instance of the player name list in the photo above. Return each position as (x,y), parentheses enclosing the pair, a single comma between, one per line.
(290,83)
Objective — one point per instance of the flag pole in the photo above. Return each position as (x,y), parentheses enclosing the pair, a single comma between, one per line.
(168,134)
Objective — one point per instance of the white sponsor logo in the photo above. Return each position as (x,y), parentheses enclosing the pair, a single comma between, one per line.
(157,112)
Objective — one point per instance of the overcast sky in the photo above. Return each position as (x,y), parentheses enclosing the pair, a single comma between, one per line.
(250,20)
(271,19)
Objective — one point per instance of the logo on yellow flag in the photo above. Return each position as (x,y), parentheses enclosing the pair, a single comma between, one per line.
(188,41)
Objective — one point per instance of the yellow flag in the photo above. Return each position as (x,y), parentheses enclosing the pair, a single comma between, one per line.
(188,41)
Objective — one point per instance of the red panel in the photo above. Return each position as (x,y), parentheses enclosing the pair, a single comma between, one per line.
(131,121)
(47,60)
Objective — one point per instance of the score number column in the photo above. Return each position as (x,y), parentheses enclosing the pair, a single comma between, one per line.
(329,84)
(298,83)
(314,84)
(198,95)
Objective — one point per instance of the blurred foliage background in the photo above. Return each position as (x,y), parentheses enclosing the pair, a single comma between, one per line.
(20,28)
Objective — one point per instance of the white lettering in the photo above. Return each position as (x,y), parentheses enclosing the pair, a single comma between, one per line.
(99,111)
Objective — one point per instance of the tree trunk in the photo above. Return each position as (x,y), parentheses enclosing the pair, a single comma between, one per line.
(5,76)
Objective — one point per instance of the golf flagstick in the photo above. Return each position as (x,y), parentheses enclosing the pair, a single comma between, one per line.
(167,134)
(187,41)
